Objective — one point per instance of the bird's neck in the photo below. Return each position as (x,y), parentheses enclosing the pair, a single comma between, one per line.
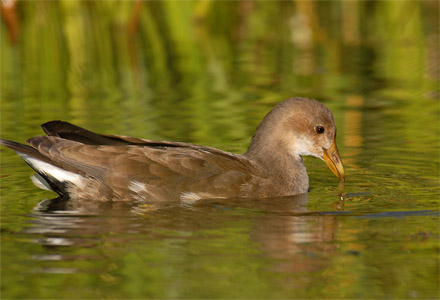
(274,159)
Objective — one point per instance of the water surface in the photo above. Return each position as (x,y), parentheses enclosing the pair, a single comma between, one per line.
(206,73)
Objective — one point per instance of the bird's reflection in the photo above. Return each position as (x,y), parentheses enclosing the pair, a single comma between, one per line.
(296,239)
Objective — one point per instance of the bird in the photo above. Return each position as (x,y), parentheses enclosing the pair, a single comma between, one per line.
(80,164)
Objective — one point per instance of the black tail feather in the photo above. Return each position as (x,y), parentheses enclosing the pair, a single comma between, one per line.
(74,133)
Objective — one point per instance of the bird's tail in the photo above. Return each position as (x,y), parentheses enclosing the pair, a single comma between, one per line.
(49,176)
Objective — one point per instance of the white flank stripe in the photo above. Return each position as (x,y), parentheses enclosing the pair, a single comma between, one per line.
(137,187)
(189,197)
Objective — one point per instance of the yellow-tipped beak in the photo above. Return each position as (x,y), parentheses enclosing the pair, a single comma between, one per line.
(333,161)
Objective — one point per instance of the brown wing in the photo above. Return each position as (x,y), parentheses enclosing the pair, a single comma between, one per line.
(151,171)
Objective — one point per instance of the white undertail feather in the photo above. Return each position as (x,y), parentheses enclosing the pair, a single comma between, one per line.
(40,182)
(52,171)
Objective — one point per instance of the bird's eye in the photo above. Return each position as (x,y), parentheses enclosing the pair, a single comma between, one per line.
(319,129)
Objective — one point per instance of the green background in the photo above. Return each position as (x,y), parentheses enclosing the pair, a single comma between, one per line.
(206,72)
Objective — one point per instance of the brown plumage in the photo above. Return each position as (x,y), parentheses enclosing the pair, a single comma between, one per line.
(81,164)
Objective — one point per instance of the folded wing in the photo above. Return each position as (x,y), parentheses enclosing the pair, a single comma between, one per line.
(73,161)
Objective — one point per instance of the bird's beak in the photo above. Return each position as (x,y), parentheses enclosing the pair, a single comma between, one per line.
(333,161)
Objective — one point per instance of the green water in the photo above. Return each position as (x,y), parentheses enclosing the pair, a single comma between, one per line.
(206,72)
